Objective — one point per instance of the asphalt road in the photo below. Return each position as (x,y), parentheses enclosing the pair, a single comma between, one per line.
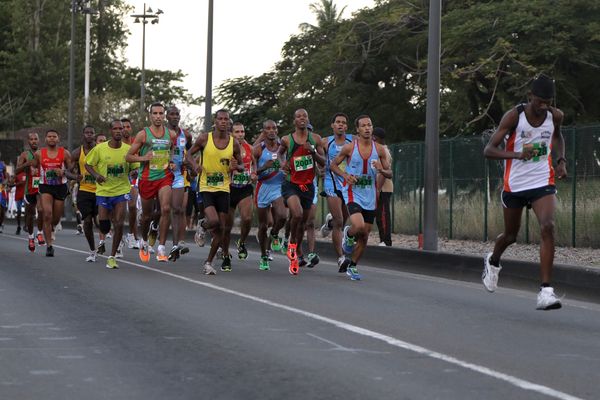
(74,330)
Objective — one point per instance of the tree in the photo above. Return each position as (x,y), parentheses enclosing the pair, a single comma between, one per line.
(326,13)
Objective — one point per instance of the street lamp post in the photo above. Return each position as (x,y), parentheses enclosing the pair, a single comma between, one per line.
(88,11)
(209,63)
(71,117)
(146,16)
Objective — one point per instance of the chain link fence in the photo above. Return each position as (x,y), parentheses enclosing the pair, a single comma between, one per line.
(470,186)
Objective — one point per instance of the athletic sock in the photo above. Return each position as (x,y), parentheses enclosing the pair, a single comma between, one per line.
(544,284)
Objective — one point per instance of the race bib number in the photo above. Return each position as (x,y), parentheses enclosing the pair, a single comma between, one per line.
(303,163)
(363,181)
(89,179)
(51,177)
(115,170)
(160,160)
(35,182)
(539,151)
(241,179)
(215,179)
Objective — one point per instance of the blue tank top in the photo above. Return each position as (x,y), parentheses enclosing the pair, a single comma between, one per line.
(364,191)
(332,180)
(271,175)
(179,147)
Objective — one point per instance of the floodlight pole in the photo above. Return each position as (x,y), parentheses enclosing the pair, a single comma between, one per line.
(209,64)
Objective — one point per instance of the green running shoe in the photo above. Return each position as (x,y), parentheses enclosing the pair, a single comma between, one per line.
(275,243)
(264,264)
(111,263)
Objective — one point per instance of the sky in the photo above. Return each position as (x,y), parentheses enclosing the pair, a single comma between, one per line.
(248,37)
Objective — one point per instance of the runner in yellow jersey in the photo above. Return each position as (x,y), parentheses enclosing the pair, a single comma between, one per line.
(132,210)
(220,155)
(86,194)
(106,163)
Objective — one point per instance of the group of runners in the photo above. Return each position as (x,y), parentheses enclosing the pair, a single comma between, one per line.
(220,171)
(162,164)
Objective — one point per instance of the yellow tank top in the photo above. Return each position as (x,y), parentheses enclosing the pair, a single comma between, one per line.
(88,183)
(215,166)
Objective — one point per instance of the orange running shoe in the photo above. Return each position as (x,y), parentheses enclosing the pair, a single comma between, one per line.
(31,244)
(294,267)
(160,254)
(144,253)
(291,251)
(40,239)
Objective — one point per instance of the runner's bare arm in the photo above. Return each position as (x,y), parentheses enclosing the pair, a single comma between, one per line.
(383,165)
(558,144)
(492,149)
(319,155)
(132,155)
(69,167)
(345,152)
(198,145)
(22,163)
(237,156)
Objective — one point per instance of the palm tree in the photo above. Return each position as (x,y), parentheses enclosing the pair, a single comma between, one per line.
(326,13)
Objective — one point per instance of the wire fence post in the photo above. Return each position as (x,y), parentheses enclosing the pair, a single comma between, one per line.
(450,190)
(574,189)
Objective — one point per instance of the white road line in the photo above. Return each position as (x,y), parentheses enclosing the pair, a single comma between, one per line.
(518,382)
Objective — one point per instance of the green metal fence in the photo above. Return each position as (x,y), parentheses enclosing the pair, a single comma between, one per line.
(470,185)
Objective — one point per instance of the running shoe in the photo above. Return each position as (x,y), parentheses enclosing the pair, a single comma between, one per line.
(313,259)
(352,272)
(269,255)
(152,234)
(302,262)
(160,254)
(200,236)
(291,251)
(101,249)
(58,227)
(183,249)
(18,232)
(219,253)
(174,253)
(490,274)
(284,246)
(547,300)
(144,253)
(109,235)
(347,242)
(131,242)
(208,269)
(79,229)
(40,239)
(226,264)
(49,251)
(31,244)
(326,228)
(343,264)
(151,249)
(294,268)
(264,263)
(91,257)
(119,253)
(111,263)
(275,243)
(241,248)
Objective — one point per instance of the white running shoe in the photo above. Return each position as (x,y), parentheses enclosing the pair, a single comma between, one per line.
(490,274)
(119,253)
(91,257)
(58,227)
(208,269)
(547,300)
(200,236)
(326,228)
(150,249)
(131,242)
(382,244)
(109,235)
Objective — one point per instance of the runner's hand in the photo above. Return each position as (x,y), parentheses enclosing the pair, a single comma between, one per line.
(350,179)
(526,154)
(100,179)
(148,156)
(561,170)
